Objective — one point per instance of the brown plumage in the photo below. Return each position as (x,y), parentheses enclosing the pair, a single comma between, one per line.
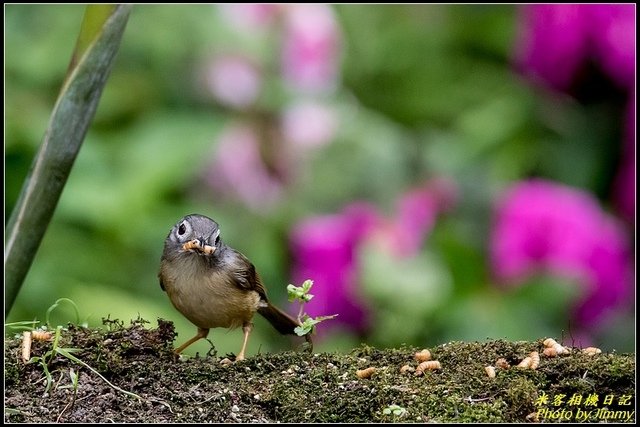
(212,284)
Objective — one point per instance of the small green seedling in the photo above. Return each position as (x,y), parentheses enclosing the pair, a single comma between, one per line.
(47,320)
(46,359)
(73,376)
(301,293)
(74,385)
(395,410)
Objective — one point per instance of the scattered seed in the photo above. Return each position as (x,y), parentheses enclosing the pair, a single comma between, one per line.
(423,355)
(558,348)
(365,373)
(428,366)
(407,368)
(491,371)
(41,335)
(525,364)
(502,363)
(591,351)
(535,360)
(26,346)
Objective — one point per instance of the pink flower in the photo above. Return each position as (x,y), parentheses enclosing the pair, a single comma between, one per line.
(325,248)
(309,124)
(311,47)
(234,80)
(555,41)
(416,213)
(238,169)
(249,17)
(541,225)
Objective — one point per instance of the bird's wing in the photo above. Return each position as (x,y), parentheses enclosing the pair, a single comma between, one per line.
(161,281)
(247,278)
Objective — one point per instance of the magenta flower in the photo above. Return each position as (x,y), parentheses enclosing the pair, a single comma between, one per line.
(552,43)
(544,226)
(311,47)
(614,40)
(238,169)
(325,250)
(625,183)
(556,40)
(609,269)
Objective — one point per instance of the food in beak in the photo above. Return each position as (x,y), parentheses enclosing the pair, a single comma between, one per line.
(196,245)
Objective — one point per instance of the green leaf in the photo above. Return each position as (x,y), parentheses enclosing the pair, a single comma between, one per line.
(396,410)
(309,323)
(68,125)
(95,17)
(73,375)
(306,286)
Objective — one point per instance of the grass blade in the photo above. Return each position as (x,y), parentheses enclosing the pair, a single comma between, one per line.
(102,29)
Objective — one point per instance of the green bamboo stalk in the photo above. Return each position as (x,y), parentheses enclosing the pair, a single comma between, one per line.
(90,65)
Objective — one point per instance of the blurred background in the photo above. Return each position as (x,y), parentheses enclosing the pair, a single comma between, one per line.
(442,172)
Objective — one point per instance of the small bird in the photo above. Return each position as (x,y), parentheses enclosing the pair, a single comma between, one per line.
(212,284)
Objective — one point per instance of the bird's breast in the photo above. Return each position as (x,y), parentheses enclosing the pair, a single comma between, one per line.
(207,295)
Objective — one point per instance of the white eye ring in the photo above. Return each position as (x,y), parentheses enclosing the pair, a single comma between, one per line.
(183,230)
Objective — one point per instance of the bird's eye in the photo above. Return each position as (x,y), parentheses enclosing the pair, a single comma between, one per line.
(182,229)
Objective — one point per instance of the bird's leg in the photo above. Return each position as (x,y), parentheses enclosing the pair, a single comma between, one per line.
(202,333)
(246,328)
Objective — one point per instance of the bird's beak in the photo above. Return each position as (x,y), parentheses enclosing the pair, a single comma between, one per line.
(198,245)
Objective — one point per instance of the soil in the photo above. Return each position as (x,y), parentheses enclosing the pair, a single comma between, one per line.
(129,374)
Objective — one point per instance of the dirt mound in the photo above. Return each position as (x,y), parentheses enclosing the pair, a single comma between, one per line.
(130,374)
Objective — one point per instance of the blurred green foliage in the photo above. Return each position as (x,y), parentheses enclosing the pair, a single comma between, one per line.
(96,47)
(426,90)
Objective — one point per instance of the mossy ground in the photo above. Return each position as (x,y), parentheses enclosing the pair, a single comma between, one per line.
(305,387)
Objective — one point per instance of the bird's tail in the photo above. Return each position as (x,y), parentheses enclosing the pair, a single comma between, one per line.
(280,320)
(283,323)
